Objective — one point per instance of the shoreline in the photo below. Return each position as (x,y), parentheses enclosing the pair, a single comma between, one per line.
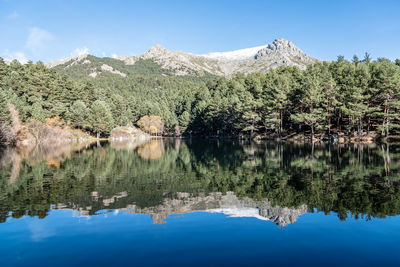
(65,136)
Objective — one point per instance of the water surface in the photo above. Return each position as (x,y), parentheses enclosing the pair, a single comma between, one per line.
(201,202)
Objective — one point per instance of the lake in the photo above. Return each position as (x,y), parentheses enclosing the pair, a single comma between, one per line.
(201,202)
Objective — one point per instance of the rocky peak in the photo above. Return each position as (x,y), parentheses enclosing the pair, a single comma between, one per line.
(281,44)
(283,47)
(157,50)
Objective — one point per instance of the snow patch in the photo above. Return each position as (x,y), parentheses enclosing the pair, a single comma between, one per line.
(240,212)
(236,54)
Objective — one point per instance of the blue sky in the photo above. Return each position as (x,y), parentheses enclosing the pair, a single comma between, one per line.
(53,29)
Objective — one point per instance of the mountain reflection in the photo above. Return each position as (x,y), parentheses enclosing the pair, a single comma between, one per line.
(268,181)
(182,203)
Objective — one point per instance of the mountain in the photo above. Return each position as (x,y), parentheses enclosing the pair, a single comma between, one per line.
(160,60)
(182,203)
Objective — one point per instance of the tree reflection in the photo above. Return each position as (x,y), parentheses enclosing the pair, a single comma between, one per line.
(360,180)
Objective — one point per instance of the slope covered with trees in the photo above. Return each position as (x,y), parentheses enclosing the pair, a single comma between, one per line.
(353,98)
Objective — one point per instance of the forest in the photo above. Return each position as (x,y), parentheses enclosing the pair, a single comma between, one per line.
(353,98)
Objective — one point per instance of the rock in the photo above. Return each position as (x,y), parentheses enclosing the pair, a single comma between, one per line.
(71,60)
(112,70)
(286,52)
(122,133)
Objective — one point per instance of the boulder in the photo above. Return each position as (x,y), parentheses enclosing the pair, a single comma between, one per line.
(123,133)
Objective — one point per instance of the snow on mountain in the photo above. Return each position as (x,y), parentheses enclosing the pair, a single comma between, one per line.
(235,212)
(236,54)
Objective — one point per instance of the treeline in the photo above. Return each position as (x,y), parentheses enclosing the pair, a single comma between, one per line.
(353,98)
(350,97)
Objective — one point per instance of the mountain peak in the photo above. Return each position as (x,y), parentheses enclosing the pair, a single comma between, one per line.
(157,48)
(281,44)
(284,49)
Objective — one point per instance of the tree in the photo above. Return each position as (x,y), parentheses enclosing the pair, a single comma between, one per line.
(37,112)
(79,114)
(4,112)
(385,78)
(101,119)
(356,60)
(278,86)
(184,120)
(151,124)
(354,94)
(313,114)
(367,57)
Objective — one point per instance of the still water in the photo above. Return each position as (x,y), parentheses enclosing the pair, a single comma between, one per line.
(201,202)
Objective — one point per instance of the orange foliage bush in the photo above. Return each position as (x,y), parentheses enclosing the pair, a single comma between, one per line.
(151,124)
(55,121)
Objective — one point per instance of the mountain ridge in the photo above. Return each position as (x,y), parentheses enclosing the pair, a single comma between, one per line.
(280,52)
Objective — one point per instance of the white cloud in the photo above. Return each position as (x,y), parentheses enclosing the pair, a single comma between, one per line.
(80,52)
(103,54)
(114,55)
(40,230)
(10,56)
(37,38)
(13,15)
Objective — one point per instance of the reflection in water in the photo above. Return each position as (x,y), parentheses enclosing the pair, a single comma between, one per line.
(267,181)
(228,204)
(146,149)
(152,149)
(53,156)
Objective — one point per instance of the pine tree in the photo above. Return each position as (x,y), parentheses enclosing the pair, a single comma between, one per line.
(385,78)
(79,114)
(313,115)
(101,119)
(37,112)
(355,95)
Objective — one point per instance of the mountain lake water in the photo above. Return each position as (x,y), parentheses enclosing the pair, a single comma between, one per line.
(201,202)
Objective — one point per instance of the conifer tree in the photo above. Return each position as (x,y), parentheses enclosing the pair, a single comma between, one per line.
(313,115)
(386,80)
(79,114)
(101,119)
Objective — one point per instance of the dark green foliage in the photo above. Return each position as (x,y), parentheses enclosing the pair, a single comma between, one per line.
(79,114)
(342,96)
(349,97)
(100,118)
